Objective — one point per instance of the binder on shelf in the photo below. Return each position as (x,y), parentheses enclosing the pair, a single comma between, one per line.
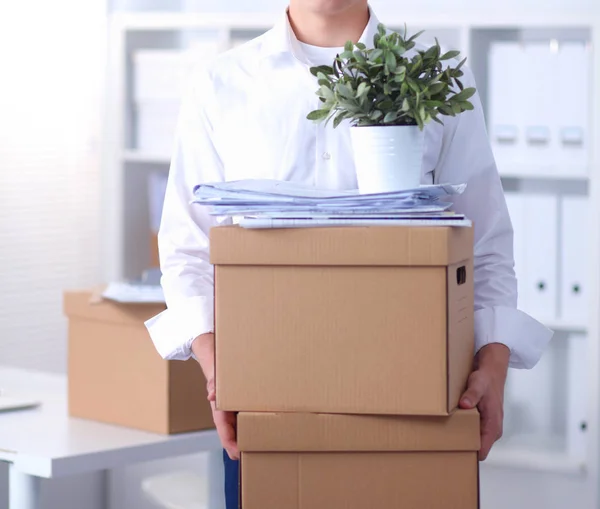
(540,102)
(572,126)
(577,395)
(540,275)
(506,69)
(516,210)
(574,260)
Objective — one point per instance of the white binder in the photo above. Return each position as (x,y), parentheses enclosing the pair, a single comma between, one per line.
(540,108)
(516,210)
(572,120)
(540,278)
(577,396)
(574,260)
(506,69)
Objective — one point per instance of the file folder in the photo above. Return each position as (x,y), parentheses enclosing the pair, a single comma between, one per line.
(540,107)
(540,278)
(577,396)
(574,260)
(506,71)
(516,210)
(572,127)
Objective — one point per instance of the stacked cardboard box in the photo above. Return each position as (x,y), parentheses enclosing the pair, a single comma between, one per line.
(346,351)
(116,377)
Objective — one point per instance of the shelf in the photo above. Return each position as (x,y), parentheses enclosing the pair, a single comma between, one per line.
(543,176)
(562,325)
(486,18)
(543,461)
(133,156)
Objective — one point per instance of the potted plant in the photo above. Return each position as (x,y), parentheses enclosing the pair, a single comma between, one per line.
(388,94)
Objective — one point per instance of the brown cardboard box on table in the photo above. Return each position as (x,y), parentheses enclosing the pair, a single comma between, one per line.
(343,320)
(319,461)
(117,377)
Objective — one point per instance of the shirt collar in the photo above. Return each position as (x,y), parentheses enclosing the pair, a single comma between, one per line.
(281,38)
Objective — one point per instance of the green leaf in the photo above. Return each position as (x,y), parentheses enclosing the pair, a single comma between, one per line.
(375,55)
(390,117)
(386,89)
(326,92)
(390,60)
(325,83)
(376,115)
(362,89)
(386,105)
(317,115)
(450,54)
(360,58)
(349,46)
(413,86)
(435,119)
(462,62)
(467,106)
(405,105)
(459,83)
(456,108)
(325,69)
(436,88)
(347,55)
(361,46)
(338,119)
(418,34)
(344,90)
(433,104)
(465,94)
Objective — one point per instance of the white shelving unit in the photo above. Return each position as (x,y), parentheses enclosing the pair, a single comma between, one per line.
(127,234)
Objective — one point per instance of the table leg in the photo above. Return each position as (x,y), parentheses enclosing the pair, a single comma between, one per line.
(23,489)
(216,480)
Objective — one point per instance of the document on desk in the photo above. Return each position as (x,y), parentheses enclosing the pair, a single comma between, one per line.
(134,293)
(14,402)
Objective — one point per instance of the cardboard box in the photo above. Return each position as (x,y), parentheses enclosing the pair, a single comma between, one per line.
(116,376)
(154,256)
(312,461)
(343,320)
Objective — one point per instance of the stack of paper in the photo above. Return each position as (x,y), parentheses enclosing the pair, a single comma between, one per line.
(280,204)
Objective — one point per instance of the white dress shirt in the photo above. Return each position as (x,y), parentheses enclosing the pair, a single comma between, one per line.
(245,117)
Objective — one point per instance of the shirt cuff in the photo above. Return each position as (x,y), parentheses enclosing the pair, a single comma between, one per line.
(174,330)
(525,337)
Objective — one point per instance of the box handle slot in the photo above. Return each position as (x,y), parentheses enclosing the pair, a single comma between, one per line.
(461,275)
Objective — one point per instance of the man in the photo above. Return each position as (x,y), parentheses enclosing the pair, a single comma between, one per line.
(245,117)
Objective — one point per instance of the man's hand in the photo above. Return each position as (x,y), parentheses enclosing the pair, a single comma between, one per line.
(486,392)
(204,351)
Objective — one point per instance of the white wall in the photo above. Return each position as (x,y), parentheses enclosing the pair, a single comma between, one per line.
(52,55)
(51,81)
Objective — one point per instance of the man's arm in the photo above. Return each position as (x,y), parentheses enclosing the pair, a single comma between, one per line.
(503,335)
(185,328)
(187,276)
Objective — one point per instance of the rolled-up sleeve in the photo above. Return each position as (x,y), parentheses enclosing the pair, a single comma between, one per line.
(467,157)
(187,276)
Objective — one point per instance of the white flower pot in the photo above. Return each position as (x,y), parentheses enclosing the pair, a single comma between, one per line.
(387,158)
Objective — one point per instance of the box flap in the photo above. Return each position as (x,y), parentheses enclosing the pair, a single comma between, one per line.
(87,304)
(285,432)
(387,246)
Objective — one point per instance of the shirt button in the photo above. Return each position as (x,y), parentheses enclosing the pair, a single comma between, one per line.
(326,156)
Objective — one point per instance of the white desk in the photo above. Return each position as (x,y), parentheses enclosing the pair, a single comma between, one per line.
(46,443)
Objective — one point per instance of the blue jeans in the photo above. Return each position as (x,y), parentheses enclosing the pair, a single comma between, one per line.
(232,473)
